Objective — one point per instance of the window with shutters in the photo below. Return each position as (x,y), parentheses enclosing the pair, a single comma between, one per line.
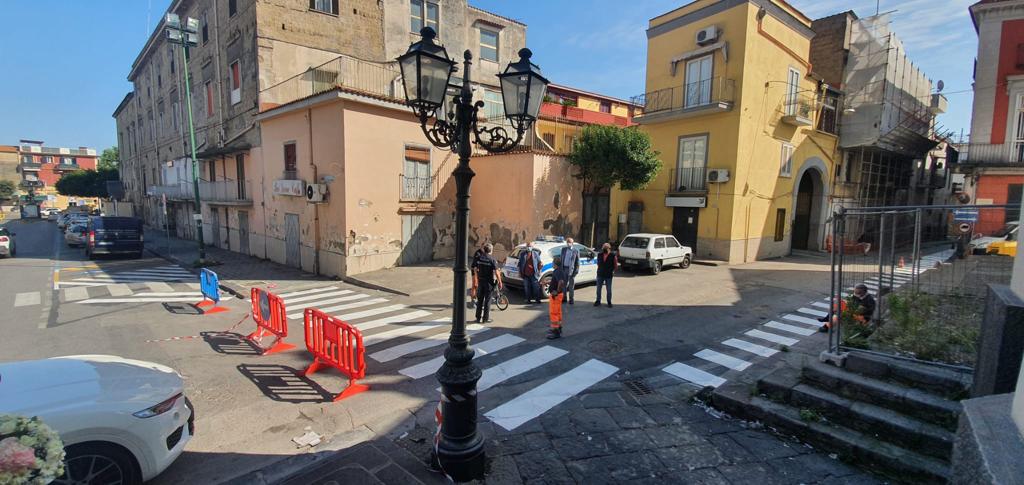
(325,6)
(786,160)
(290,163)
(416,173)
(488,45)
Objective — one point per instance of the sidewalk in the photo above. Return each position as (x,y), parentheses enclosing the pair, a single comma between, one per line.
(237,272)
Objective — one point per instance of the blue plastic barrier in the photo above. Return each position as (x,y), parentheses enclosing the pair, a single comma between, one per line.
(208,285)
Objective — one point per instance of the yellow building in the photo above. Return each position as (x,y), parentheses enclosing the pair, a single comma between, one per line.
(733,109)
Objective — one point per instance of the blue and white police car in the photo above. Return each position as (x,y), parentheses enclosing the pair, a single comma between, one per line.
(549,248)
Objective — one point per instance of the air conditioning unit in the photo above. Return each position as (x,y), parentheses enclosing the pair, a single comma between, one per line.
(315,193)
(707,35)
(718,175)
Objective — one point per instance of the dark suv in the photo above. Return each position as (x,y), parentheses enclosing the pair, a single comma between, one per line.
(114,235)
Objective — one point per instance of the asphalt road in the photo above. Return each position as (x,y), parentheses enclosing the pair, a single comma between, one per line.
(250,406)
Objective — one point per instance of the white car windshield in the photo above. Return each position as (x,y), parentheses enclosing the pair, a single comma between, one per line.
(635,242)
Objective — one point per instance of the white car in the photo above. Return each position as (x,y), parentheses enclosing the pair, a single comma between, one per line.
(549,248)
(7,249)
(979,245)
(127,420)
(653,251)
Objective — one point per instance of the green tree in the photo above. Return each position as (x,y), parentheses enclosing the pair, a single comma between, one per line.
(110,159)
(607,156)
(7,189)
(86,183)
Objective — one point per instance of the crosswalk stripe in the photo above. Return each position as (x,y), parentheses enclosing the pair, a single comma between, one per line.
(26,299)
(694,375)
(119,289)
(81,283)
(771,337)
(161,272)
(790,328)
(402,331)
(417,345)
(162,299)
(331,301)
(307,292)
(369,313)
(158,287)
(811,311)
(197,294)
(750,347)
(129,279)
(540,399)
(404,317)
(76,293)
(508,369)
(798,318)
(489,346)
(329,294)
(820,305)
(722,359)
(346,306)
(194,286)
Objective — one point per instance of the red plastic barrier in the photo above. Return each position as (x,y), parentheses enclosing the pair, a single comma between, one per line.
(271,319)
(336,344)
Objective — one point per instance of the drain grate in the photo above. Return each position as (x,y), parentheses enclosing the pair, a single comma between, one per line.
(638,387)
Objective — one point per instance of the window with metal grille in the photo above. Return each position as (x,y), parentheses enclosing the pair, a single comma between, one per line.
(290,162)
(780,224)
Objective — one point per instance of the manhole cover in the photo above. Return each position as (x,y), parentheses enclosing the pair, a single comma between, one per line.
(604,347)
(638,387)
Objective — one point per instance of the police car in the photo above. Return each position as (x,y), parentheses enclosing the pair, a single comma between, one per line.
(549,248)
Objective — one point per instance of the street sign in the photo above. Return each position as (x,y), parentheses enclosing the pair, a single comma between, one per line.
(965,227)
(965,215)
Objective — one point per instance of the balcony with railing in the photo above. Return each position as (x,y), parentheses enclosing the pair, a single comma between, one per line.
(685,180)
(363,77)
(572,113)
(30,166)
(416,188)
(798,109)
(1006,154)
(222,192)
(698,98)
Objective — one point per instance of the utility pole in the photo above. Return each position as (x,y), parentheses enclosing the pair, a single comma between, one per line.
(185,36)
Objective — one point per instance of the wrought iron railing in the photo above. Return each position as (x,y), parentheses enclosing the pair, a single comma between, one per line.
(687,179)
(690,96)
(799,104)
(416,188)
(219,191)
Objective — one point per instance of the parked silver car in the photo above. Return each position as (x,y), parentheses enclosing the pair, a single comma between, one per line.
(76,235)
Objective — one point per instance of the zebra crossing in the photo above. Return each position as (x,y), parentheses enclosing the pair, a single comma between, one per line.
(737,354)
(408,342)
(99,277)
(149,292)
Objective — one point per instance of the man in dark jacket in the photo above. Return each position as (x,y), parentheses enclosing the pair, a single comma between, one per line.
(607,261)
(529,271)
(570,263)
(486,276)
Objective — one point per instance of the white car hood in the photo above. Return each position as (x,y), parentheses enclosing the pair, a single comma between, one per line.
(36,387)
(983,242)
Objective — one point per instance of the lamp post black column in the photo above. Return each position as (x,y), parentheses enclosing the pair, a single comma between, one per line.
(426,70)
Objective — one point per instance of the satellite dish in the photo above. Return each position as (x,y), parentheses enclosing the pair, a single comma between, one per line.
(939,86)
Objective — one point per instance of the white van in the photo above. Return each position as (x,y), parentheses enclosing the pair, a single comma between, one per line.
(653,252)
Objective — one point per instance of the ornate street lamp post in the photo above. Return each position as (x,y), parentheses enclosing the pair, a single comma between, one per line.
(426,70)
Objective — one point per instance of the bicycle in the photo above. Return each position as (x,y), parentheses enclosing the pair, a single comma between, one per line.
(499,299)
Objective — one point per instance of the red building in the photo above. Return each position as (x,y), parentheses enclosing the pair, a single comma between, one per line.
(42,166)
(993,161)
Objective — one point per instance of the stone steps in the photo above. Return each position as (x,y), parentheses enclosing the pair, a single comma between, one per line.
(865,449)
(913,402)
(881,423)
(945,382)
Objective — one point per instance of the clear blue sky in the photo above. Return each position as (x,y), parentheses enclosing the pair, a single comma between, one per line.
(62,82)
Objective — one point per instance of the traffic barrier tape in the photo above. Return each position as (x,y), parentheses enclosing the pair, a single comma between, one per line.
(269,313)
(336,344)
(190,337)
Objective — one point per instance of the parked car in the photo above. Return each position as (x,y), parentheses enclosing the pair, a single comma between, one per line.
(72,218)
(76,235)
(122,421)
(6,242)
(549,249)
(114,235)
(653,252)
(54,215)
(1005,247)
(980,245)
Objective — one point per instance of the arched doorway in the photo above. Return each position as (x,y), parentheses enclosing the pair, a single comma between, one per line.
(807,213)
